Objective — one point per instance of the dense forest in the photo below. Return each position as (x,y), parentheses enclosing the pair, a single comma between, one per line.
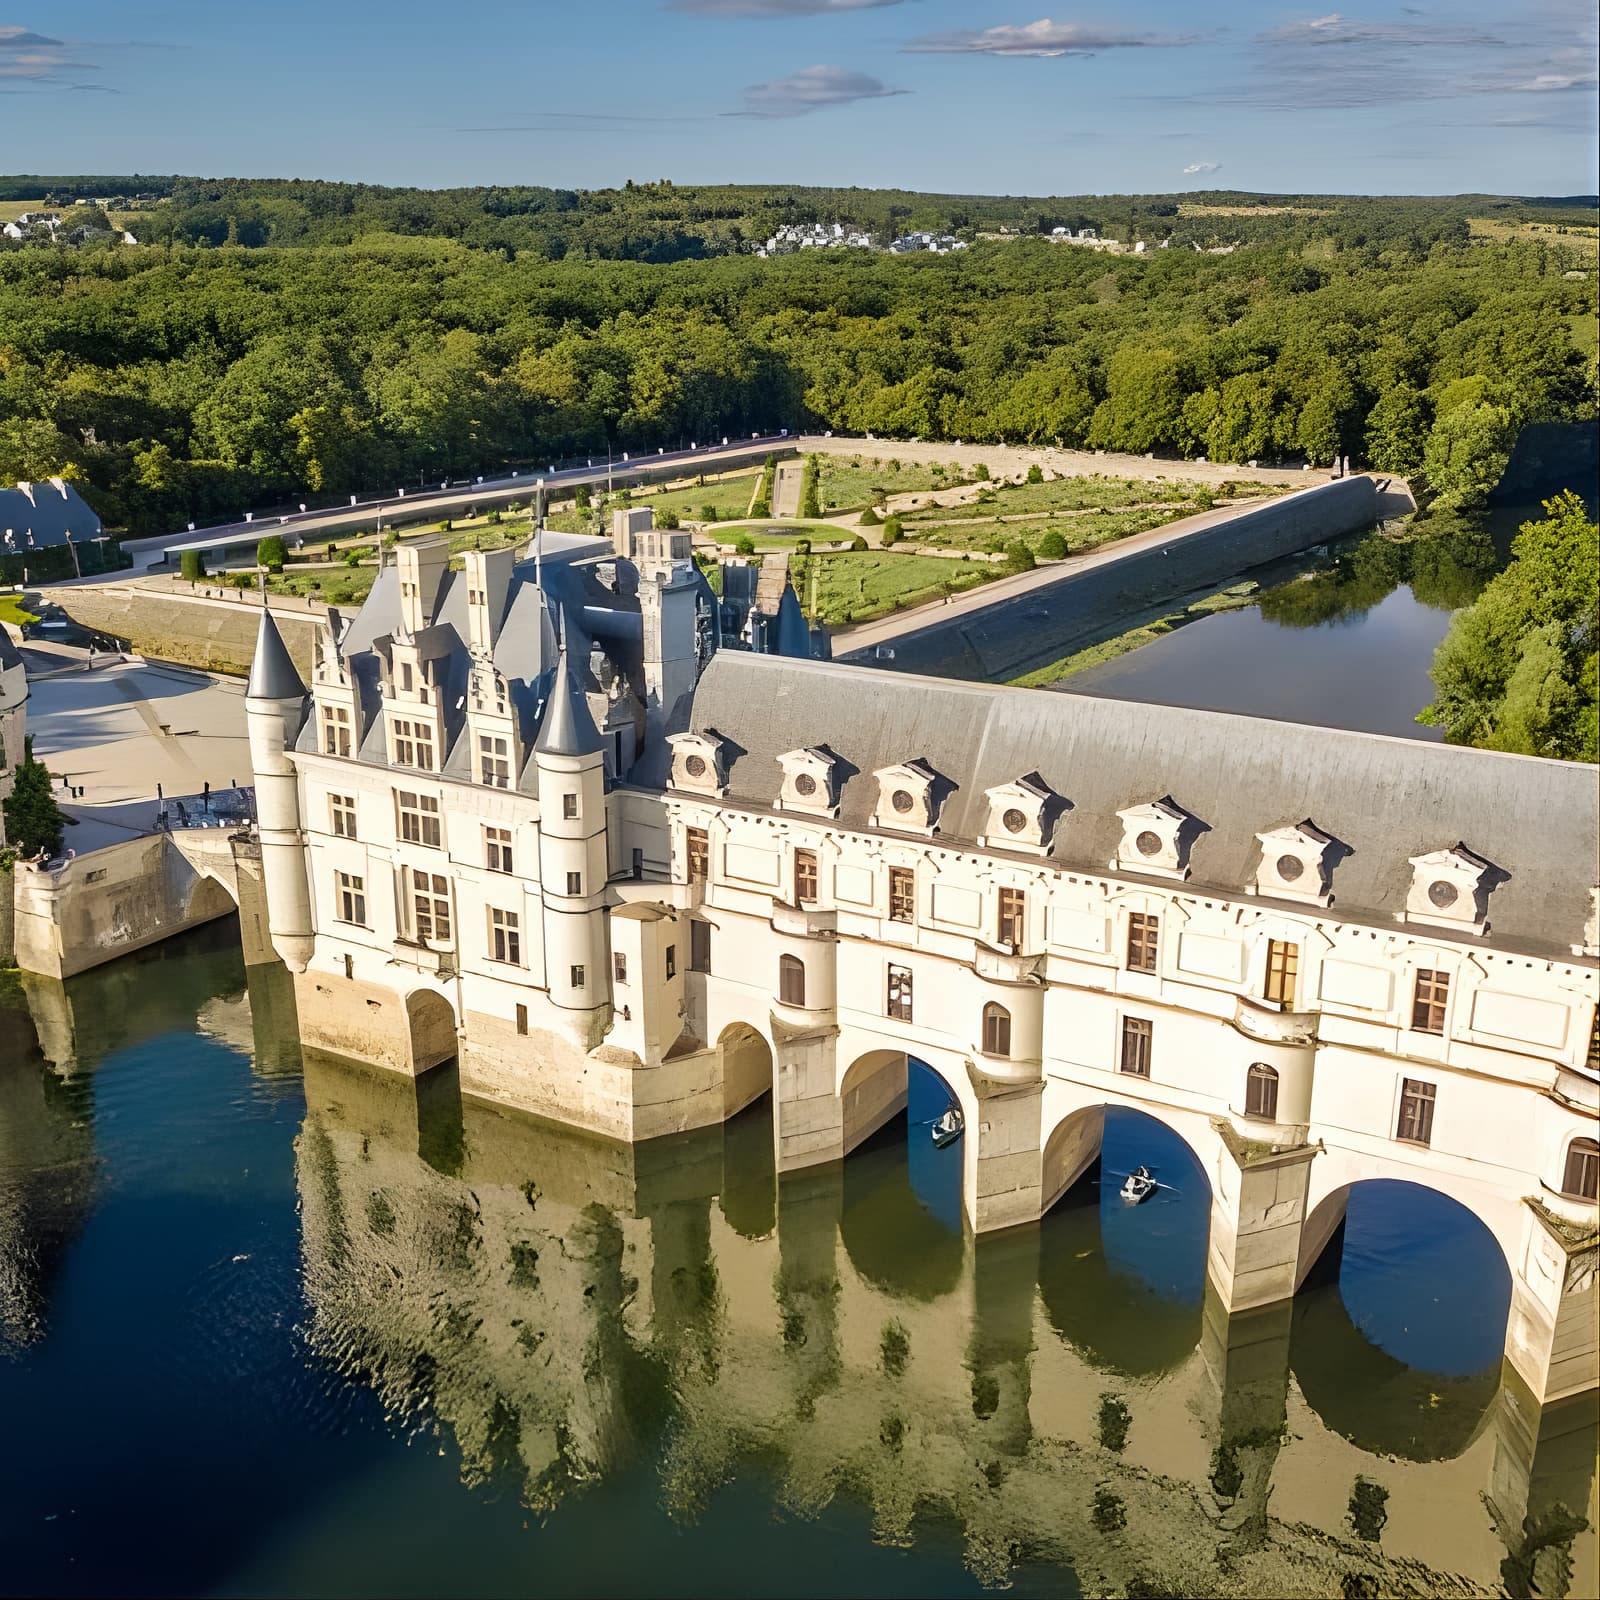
(276,339)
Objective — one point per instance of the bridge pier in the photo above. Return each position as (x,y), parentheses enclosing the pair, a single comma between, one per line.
(1552,1343)
(1258,1215)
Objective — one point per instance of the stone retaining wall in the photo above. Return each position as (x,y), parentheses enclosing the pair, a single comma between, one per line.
(1013,636)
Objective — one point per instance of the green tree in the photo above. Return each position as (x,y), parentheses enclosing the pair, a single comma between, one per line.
(1053,547)
(192,565)
(891,531)
(1466,453)
(1397,430)
(744,545)
(33,819)
(270,552)
(1518,669)
(1019,558)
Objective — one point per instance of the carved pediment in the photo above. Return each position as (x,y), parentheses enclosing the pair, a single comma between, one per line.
(1022,815)
(1157,838)
(910,797)
(1297,863)
(1450,889)
(699,762)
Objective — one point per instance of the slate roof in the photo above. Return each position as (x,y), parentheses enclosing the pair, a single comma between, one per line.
(273,676)
(1386,799)
(38,516)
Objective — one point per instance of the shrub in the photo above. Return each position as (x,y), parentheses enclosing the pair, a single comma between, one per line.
(33,819)
(1204,499)
(858,543)
(745,545)
(802,547)
(762,507)
(709,514)
(444,527)
(270,552)
(870,518)
(810,505)
(352,558)
(666,517)
(192,565)
(391,539)
(243,580)
(492,518)
(580,499)
(1036,473)
(891,531)
(1052,547)
(981,472)
(1019,557)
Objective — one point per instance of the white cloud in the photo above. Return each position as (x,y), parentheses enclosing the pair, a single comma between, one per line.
(774,8)
(1337,29)
(1195,167)
(1043,38)
(811,89)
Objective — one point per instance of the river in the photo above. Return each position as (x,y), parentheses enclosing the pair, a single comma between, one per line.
(272,1325)
(1344,642)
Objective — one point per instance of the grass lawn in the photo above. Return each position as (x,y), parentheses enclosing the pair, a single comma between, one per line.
(1079,494)
(339,586)
(856,586)
(1079,533)
(846,483)
(730,496)
(12,611)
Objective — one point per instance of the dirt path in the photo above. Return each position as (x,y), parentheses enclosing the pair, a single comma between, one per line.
(786,489)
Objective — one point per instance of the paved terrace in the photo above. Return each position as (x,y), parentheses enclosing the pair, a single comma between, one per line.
(122,729)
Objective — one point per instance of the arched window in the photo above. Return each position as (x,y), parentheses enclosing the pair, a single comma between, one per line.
(1582,1177)
(996,1030)
(1261,1092)
(791,980)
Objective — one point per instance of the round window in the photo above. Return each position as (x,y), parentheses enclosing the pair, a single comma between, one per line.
(901,800)
(805,784)
(1442,894)
(1014,821)
(695,766)
(1289,868)
(1148,844)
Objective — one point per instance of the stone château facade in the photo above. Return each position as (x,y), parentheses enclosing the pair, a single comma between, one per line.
(545,817)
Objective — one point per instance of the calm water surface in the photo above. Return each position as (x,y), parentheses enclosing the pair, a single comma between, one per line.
(1346,645)
(271,1327)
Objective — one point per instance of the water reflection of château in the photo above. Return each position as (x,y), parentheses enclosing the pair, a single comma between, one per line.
(569,1309)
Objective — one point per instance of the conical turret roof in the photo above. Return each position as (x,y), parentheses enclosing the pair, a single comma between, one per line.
(273,675)
(567,729)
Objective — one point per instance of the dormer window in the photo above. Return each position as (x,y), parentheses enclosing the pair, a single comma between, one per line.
(698,763)
(1297,863)
(1157,838)
(910,797)
(1450,889)
(1021,816)
(811,781)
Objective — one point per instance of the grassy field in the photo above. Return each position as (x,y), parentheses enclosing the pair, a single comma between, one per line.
(339,586)
(1077,533)
(850,483)
(855,586)
(1585,240)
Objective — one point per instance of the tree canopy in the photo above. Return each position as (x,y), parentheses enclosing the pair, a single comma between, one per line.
(1518,670)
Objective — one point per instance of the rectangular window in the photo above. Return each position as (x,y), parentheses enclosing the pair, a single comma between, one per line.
(672,961)
(413,744)
(430,906)
(419,819)
(578,977)
(1283,972)
(335,731)
(805,877)
(619,967)
(899,998)
(697,845)
(342,808)
(352,896)
(1428,1000)
(1012,917)
(1144,935)
(497,849)
(522,1019)
(494,760)
(569,806)
(1138,1035)
(407,680)
(1416,1112)
(505,937)
(699,946)
(574,883)
(902,894)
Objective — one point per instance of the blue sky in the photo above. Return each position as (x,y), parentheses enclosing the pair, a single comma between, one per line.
(1035,96)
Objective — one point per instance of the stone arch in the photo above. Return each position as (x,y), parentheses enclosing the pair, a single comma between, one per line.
(431,1024)
(747,1066)
(210,897)
(1124,1286)
(892,1229)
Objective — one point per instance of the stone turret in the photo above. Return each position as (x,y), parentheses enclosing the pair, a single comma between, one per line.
(569,756)
(275,704)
